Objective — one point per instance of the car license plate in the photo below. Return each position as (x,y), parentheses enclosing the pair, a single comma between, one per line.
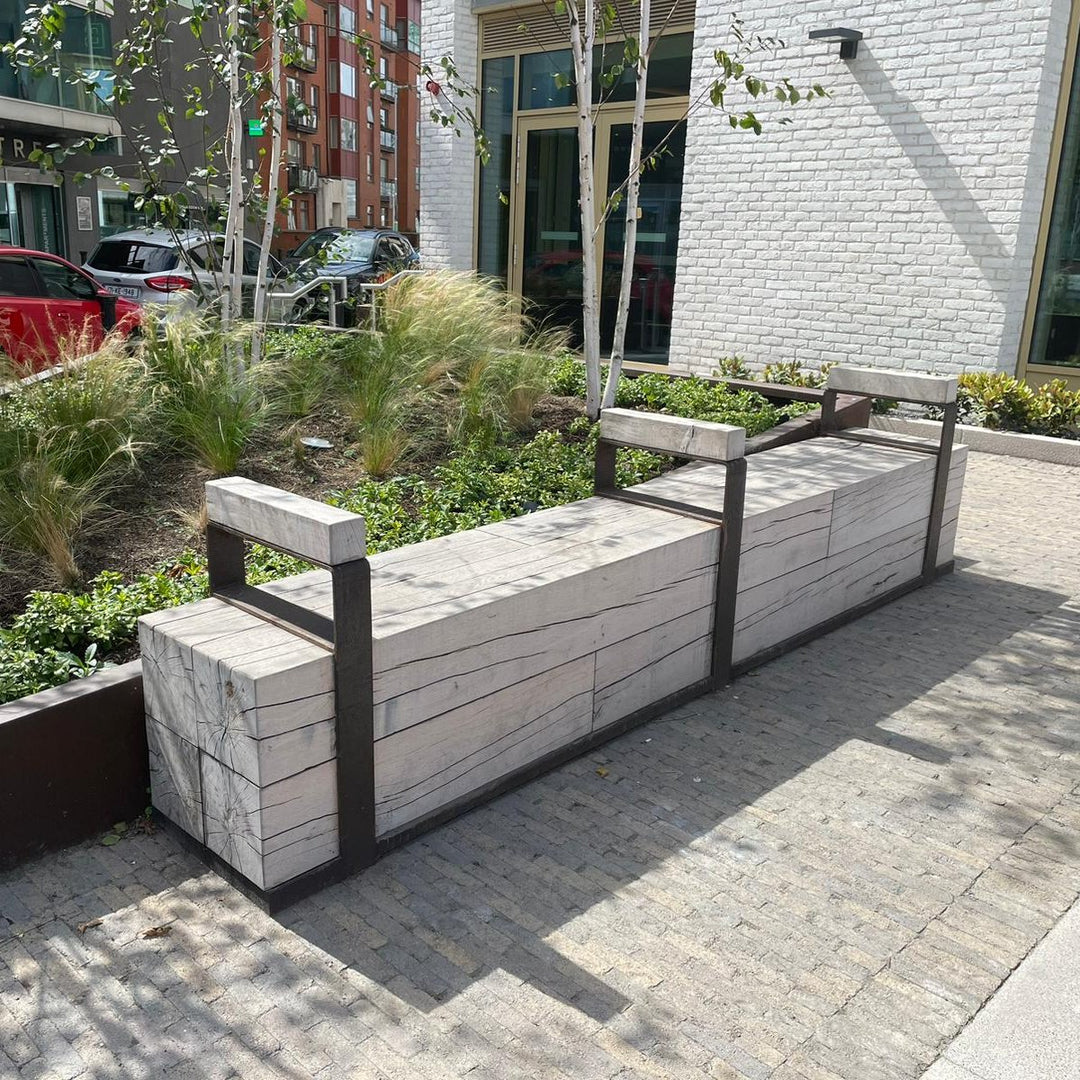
(122,290)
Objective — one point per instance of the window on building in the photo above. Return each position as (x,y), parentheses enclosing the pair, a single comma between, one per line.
(316,156)
(384,120)
(332,79)
(346,19)
(370,115)
(371,215)
(294,90)
(382,217)
(294,152)
(384,169)
(370,169)
(384,14)
(347,79)
(384,68)
(332,19)
(332,136)
(303,221)
(416,174)
(1055,341)
(370,8)
(348,133)
(350,198)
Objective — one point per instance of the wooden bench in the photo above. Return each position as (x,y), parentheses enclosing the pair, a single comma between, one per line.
(300,729)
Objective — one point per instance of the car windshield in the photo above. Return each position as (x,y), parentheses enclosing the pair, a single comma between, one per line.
(340,247)
(132,257)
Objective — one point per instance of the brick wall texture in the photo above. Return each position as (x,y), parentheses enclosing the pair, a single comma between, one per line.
(893,225)
(447,185)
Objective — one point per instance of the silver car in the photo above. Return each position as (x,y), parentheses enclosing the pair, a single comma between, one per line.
(181,270)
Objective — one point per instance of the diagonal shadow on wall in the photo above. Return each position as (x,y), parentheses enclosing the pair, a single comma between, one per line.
(964,212)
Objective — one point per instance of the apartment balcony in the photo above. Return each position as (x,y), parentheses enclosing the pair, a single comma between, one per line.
(388,36)
(387,140)
(307,58)
(302,178)
(387,190)
(389,91)
(302,118)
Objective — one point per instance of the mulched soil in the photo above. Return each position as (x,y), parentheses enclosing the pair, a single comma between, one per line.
(160,514)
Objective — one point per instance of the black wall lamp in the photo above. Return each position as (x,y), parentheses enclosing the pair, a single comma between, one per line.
(849,40)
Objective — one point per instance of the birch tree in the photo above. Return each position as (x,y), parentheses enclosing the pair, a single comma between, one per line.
(589,23)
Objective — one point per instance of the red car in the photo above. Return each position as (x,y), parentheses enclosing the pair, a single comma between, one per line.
(47,303)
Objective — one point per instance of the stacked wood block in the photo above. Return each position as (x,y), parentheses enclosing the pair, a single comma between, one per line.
(495,647)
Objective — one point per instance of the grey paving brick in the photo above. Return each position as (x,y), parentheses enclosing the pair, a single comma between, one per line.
(819,873)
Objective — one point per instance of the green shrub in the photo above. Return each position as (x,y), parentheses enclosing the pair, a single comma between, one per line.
(994,399)
(301,371)
(454,362)
(64,635)
(693,397)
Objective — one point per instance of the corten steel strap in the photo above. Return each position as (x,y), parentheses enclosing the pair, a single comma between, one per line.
(347,635)
(942,452)
(730,520)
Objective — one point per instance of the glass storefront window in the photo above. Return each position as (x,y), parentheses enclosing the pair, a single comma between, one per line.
(9,216)
(117,213)
(497,118)
(1056,340)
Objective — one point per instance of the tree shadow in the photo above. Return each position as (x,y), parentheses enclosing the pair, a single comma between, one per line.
(674,852)
(483,892)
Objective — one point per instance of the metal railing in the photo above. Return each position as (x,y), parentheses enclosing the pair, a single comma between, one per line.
(387,189)
(388,35)
(387,140)
(336,298)
(324,281)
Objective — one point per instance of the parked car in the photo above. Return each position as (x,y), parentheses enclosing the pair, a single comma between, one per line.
(45,301)
(358,255)
(181,270)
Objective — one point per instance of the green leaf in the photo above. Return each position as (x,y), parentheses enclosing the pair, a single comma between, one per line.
(299,9)
(109,839)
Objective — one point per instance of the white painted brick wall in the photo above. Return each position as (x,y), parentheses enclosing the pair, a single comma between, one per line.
(447,180)
(893,225)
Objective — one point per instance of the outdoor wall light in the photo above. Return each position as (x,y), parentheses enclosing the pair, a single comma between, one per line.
(849,40)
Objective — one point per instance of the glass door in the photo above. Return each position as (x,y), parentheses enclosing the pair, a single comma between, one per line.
(648,330)
(548,245)
(548,250)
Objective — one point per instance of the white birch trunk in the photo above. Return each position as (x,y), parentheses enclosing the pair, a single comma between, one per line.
(581,44)
(277,75)
(633,189)
(232,265)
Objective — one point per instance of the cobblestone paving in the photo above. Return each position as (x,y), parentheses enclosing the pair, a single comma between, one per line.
(820,873)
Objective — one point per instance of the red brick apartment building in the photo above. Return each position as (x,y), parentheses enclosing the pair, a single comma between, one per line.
(352,148)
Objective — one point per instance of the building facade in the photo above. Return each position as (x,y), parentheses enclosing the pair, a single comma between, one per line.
(37,208)
(373,137)
(330,107)
(924,217)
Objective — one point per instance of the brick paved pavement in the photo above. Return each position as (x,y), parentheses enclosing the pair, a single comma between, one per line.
(820,873)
